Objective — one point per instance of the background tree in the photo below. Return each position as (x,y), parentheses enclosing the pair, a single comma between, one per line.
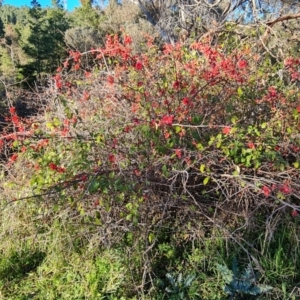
(128,17)
(44,43)
(56,4)
(83,38)
(171,18)
(2,29)
(87,15)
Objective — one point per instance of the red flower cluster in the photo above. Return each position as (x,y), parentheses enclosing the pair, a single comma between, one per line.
(54,167)
(283,188)
(110,79)
(13,158)
(86,96)
(127,40)
(167,120)
(112,158)
(185,101)
(178,153)
(76,55)
(251,145)
(266,191)
(58,81)
(226,130)
(139,65)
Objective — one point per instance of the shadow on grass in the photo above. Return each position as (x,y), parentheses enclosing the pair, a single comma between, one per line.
(19,263)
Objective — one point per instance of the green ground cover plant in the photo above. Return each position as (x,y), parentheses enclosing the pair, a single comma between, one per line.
(149,170)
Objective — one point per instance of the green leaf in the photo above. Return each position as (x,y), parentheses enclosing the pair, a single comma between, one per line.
(177,129)
(68,113)
(94,186)
(296,164)
(202,168)
(145,128)
(240,91)
(151,237)
(295,114)
(164,169)
(199,146)
(189,279)
(226,273)
(234,119)
(56,122)
(206,180)
(15,144)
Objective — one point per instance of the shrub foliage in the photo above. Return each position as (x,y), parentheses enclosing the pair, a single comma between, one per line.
(152,152)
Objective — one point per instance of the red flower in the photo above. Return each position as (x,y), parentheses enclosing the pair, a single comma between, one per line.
(82,177)
(14,157)
(186,101)
(86,96)
(43,143)
(58,84)
(61,169)
(178,153)
(242,64)
(288,62)
(127,129)
(65,131)
(137,172)
(226,130)
(53,166)
(127,40)
(87,74)
(298,109)
(285,189)
(15,119)
(266,191)
(251,145)
(176,84)
(111,158)
(167,134)
(110,79)
(272,91)
(139,65)
(167,120)
(294,213)
(12,110)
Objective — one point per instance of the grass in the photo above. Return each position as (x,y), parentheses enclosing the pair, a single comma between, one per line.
(57,256)
(63,263)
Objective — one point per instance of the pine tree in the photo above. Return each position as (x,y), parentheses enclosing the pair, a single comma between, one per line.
(2,29)
(45,44)
(57,4)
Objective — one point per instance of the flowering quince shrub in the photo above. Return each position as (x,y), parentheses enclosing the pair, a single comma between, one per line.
(192,129)
(194,118)
(139,140)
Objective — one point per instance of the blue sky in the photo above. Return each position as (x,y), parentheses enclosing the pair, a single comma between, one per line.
(71,3)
